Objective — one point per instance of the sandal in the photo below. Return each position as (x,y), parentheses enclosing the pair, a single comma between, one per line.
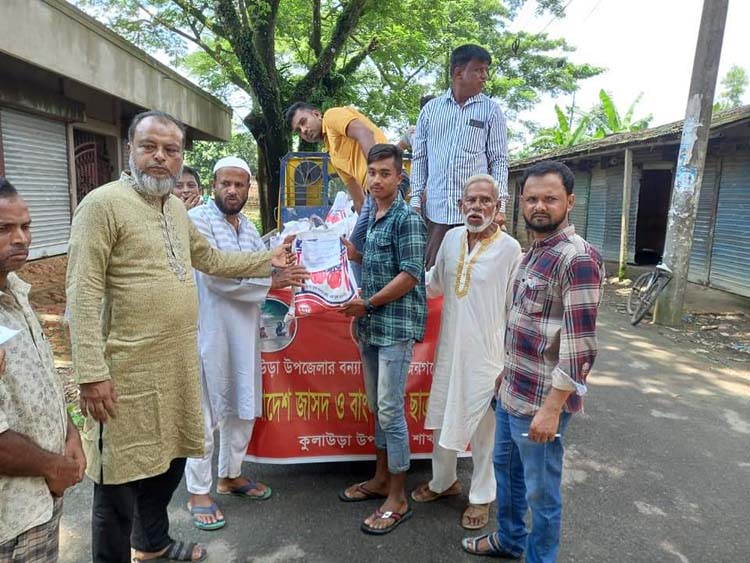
(210,510)
(366,493)
(244,489)
(470,545)
(423,493)
(479,512)
(177,551)
(397,518)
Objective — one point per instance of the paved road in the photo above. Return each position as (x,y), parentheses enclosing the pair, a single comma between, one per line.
(657,470)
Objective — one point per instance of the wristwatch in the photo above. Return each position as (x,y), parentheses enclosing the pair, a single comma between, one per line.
(369,307)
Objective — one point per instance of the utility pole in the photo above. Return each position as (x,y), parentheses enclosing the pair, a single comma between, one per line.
(627,186)
(690,161)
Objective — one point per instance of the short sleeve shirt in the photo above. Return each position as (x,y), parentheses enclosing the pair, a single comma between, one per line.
(32,403)
(346,155)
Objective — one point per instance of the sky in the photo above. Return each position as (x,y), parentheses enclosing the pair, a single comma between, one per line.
(647,46)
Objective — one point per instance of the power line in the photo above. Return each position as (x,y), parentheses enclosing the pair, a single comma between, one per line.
(549,23)
(593,10)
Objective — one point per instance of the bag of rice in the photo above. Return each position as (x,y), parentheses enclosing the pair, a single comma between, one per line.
(331,283)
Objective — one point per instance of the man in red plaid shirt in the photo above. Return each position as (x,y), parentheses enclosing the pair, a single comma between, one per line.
(550,344)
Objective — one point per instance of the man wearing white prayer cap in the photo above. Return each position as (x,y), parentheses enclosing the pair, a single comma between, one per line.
(229,346)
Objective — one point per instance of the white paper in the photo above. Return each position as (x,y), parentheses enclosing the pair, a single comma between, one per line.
(7,333)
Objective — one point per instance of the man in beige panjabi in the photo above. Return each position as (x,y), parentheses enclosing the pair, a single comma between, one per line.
(133,311)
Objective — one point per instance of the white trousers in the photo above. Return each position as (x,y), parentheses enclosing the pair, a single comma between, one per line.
(483,486)
(234,435)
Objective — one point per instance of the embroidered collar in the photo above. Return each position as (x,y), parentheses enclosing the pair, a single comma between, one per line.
(150,198)
(463,274)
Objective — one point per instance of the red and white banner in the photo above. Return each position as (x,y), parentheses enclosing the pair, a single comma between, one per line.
(314,402)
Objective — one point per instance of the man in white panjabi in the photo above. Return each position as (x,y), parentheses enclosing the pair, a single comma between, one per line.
(229,346)
(473,272)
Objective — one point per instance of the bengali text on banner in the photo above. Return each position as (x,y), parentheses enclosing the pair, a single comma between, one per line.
(314,402)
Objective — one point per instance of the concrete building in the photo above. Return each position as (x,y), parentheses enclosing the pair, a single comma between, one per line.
(720,255)
(68,89)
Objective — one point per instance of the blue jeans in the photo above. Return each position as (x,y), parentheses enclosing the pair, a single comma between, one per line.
(385,370)
(528,475)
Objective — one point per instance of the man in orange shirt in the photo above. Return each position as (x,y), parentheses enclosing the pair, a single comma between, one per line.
(348,136)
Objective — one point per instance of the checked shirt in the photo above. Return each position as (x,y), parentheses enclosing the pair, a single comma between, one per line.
(395,243)
(550,340)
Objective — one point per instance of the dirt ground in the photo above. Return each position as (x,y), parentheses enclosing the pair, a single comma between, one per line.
(716,323)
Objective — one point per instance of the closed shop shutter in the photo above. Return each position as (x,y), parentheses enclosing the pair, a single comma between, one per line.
(635,192)
(36,163)
(613,219)
(613,215)
(730,256)
(580,211)
(699,255)
(597,209)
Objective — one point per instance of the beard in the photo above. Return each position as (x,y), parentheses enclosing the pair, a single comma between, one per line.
(229,209)
(549,227)
(150,185)
(474,229)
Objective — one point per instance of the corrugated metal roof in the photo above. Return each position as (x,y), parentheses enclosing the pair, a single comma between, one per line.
(662,132)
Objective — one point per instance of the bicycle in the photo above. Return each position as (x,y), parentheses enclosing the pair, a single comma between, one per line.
(646,290)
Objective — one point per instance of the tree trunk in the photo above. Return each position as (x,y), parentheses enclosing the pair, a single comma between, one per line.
(273,144)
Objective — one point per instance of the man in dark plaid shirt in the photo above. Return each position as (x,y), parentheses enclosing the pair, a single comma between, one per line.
(391,315)
(550,344)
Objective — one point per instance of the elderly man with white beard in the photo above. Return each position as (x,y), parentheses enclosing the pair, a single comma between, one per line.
(473,272)
(133,313)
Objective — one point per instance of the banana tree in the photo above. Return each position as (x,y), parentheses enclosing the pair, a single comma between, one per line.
(563,134)
(606,119)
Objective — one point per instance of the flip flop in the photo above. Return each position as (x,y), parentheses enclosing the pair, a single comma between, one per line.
(244,489)
(210,510)
(367,494)
(483,516)
(177,551)
(495,550)
(449,492)
(398,519)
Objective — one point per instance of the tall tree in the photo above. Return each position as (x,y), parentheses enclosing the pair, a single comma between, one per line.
(380,55)
(734,85)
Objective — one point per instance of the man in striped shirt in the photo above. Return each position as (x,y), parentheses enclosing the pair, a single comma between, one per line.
(459,134)
(229,314)
(550,344)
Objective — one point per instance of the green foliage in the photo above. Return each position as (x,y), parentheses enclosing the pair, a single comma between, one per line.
(607,120)
(406,45)
(204,154)
(734,85)
(602,120)
(380,56)
(564,134)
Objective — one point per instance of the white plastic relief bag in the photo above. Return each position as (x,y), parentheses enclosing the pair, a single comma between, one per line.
(331,283)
